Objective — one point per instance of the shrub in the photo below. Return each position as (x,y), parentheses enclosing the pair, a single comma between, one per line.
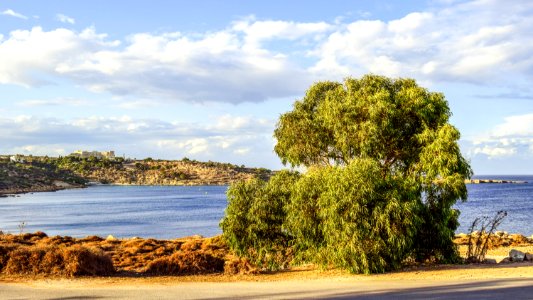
(5,251)
(54,260)
(352,218)
(479,244)
(254,222)
(81,260)
(239,265)
(304,221)
(184,263)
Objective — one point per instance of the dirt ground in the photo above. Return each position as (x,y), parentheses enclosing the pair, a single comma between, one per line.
(309,272)
(496,281)
(467,281)
(132,257)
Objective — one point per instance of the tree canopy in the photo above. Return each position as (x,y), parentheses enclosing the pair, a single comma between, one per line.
(376,117)
(384,170)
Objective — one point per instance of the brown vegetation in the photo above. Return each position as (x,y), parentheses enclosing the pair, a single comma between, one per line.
(499,239)
(31,254)
(68,261)
(238,265)
(188,262)
(39,254)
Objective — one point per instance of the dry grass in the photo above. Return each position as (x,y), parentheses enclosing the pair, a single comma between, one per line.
(239,266)
(67,261)
(37,254)
(191,262)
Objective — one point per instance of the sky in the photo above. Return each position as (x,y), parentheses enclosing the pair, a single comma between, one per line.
(208,80)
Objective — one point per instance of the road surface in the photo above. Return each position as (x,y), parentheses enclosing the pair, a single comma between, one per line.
(322,288)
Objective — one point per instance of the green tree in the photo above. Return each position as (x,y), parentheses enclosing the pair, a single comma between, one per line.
(254,221)
(400,126)
(384,170)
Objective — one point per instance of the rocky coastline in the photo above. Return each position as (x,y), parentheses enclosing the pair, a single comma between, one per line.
(44,174)
(482,181)
(54,187)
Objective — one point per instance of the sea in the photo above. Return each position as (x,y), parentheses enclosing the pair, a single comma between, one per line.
(167,212)
(486,199)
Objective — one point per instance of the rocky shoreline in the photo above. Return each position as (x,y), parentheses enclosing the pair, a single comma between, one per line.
(518,247)
(7,192)
(481,181)
(43,174)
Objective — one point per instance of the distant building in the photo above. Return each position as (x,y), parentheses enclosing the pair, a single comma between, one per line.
(96,154)
(17,158)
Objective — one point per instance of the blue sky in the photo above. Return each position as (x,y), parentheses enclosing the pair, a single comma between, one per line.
(208,79)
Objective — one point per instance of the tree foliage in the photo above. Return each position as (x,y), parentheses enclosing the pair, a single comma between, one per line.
(384,172)
(253,225)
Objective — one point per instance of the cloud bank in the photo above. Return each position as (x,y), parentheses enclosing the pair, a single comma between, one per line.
(514,137)
(480,42)
(239,139)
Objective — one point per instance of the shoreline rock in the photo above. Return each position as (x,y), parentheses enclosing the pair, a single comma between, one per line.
(12,192)
(481,181)
(516,256)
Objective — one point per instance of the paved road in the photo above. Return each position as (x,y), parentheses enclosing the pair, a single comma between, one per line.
(294,289)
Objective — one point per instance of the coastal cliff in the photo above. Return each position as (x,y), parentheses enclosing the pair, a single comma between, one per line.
(48,174)
(182,172)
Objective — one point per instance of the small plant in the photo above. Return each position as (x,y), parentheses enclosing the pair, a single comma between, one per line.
(21,227)
(478,241)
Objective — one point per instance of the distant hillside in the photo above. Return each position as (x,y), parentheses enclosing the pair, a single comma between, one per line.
(48,173)
(36,176)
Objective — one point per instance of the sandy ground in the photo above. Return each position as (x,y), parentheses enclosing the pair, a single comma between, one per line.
(499,253)
(499,281)
(473,281)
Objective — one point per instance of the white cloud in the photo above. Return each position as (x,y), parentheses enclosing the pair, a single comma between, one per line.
(10,12)
(194,146)
(213,67)
(493,152)
(226,122)
(257,32)
(52,102)
(65,19)
(514,137)
(242,151)
(39,150)
(21,63)
(474,41)
(479,41)
(247,143)
(136,104)
(520,125)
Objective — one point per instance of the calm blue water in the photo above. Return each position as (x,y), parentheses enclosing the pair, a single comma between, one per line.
(487,199)
(123,211)
(171,211)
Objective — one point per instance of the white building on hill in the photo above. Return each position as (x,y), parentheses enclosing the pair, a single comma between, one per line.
(17,158)
(96,154)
